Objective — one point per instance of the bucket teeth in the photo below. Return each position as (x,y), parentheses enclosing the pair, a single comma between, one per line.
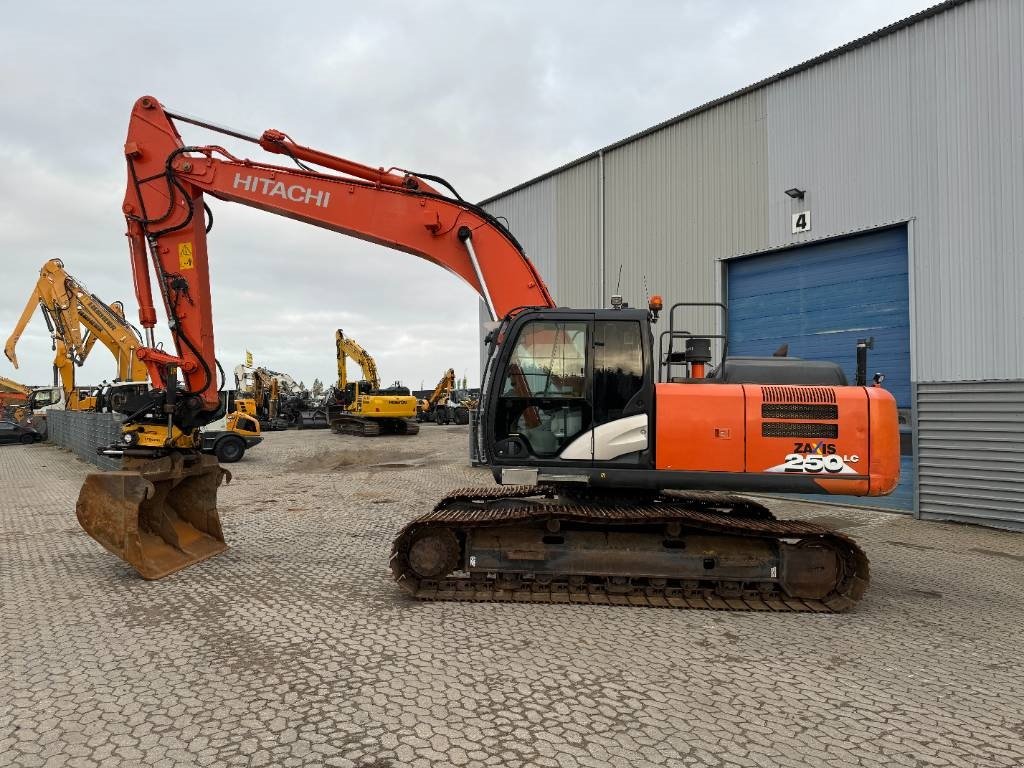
(159,516)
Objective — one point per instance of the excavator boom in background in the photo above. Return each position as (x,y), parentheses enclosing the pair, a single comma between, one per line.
(442,406)
(362,407)
(597,452)
(13,400)
(76,319)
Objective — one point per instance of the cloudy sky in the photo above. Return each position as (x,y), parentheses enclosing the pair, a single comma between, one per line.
(486,94)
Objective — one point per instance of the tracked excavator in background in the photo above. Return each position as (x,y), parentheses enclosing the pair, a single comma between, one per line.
(76,319)
(617,481)
(362,407)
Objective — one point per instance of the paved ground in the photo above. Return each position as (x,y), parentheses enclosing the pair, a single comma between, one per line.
(295,647)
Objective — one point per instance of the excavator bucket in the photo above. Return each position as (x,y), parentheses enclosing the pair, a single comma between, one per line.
(157,515)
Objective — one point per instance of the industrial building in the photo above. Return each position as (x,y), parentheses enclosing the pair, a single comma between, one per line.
(874,191)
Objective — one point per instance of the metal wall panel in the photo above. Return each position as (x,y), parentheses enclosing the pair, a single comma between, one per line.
(557,221)
(531,216)
(577,238)
(681,197)
(922,124)
(971,452)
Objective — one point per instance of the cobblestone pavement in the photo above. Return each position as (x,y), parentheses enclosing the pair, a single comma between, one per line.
(295,647)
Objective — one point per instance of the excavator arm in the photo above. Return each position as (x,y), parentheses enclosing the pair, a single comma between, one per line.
(168,221)
(11,387)
(347,348)
(443,389)
(77,319)
(52,299)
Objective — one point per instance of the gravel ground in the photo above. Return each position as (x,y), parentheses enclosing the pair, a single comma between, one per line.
(296,648)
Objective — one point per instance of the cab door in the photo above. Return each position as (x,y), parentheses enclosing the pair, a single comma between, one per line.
(620,389)
(543,396)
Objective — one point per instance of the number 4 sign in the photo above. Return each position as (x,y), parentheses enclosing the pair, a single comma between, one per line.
(801,222)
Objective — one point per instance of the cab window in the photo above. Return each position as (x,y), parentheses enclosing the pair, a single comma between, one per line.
(543,398)
(549,360)
(44,397)
(618,367)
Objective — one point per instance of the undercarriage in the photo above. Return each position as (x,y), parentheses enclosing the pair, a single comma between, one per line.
(671,550)
(348,424)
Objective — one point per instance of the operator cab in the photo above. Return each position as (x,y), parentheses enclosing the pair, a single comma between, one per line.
(45,398)
(562,374)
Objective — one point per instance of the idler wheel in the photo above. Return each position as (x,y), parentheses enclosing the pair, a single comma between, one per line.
(434,553)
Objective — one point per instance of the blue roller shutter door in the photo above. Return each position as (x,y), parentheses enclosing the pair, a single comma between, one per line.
(820,299)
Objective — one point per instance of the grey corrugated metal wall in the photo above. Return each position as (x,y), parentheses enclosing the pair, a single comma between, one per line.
(679,198)
(531,216)
(925,124)
(577,239)
(971,452)
(922,125)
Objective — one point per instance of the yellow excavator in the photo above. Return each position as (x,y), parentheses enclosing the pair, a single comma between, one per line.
(362,407)
(76,319)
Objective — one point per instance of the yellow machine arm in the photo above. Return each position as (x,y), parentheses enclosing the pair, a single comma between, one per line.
(9,386)
(347,348)
(77,319)
(261,385)
(444,388)
(265,390)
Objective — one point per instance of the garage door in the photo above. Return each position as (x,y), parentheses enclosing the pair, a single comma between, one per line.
(820,299)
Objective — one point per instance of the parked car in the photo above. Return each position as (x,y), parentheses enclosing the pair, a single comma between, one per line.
(11,432)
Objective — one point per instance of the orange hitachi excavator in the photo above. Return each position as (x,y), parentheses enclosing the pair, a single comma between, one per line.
(614,486)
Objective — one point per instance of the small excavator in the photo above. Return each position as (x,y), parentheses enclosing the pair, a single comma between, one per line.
(616,478)
(76,319)
(362,407)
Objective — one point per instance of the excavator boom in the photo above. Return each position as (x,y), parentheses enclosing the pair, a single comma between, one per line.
(347,349)
(164,208)
(77,319)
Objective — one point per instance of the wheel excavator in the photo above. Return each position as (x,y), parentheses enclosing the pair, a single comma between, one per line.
(440,407)
(362,407)
(446,404)
(616,483)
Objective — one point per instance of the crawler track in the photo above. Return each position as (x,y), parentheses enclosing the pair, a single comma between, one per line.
(366,427)
(674,550)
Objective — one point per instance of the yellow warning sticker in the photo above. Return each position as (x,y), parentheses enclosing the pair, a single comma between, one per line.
(185,256)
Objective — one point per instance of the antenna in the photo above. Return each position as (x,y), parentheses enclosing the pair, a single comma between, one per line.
(617,296)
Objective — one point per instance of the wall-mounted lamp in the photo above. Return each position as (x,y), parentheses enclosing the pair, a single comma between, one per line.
(796,194)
